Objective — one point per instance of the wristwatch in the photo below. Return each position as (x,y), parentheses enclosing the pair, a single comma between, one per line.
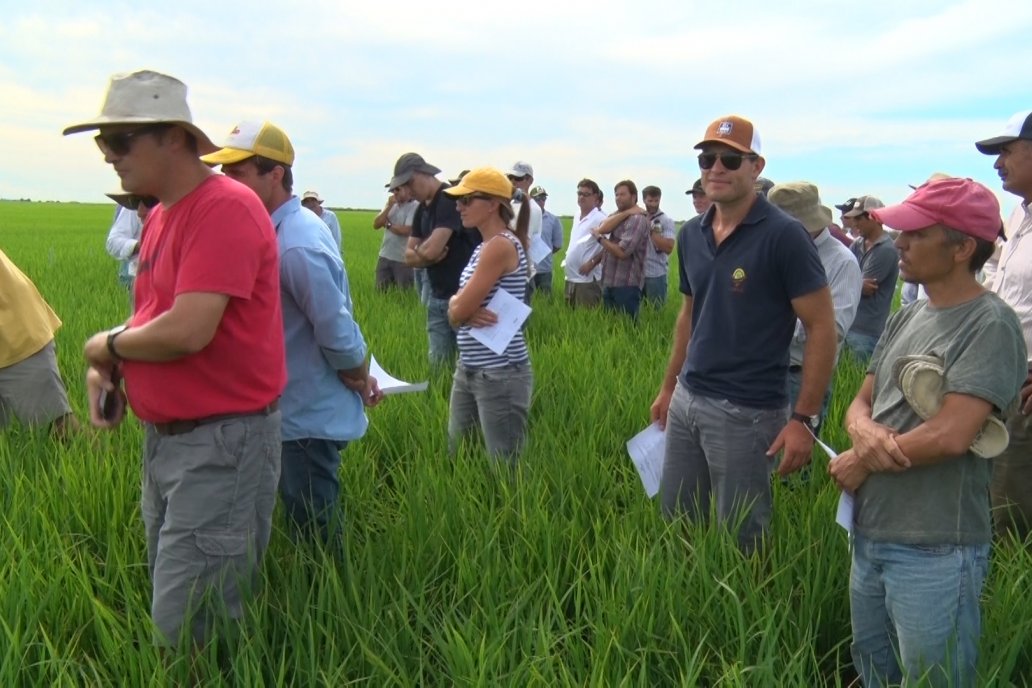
(114,332)
(810,422)
(387,224)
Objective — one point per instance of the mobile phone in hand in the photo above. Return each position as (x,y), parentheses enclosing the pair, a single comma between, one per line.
(109,401)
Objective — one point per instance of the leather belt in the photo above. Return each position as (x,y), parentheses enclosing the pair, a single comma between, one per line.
(181,427)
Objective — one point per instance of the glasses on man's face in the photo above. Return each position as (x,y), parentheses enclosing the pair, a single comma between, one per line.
(730,161)
(514,178)
(585,194)
(121,142)
(468,200)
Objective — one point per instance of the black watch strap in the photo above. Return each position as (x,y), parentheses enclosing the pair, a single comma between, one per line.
(111,340)
(809,421)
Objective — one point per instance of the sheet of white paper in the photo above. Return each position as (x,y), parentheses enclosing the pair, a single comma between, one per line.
(539,250)
(646,450)
(392,385)
(844,512)
(511,313)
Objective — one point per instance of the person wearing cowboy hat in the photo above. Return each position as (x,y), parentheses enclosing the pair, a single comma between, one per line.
(921,427)
(202,357)
(314,202)
(123,239)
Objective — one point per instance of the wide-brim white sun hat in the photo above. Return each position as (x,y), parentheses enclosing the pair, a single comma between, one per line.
(922,381)
(146,97)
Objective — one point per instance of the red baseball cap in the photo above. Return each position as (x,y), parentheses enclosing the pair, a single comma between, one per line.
(960,204)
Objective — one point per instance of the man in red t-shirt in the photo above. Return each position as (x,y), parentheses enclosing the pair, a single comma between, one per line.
(202,358)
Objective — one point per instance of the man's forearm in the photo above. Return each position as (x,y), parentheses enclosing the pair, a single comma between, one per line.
(682,335)
(818,363)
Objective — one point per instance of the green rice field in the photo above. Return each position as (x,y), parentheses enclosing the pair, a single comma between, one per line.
(456,573)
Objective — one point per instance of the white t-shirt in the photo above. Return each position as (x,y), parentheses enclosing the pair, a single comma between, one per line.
(583,247)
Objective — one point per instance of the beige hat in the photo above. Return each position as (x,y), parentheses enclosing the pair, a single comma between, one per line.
(801,201)
(311,196)
(922,381)
(146,97)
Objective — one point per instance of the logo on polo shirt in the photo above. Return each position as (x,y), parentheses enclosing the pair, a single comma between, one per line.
(738,280)
(725,127)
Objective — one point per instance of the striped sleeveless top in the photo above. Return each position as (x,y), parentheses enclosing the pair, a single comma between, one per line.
(473,354)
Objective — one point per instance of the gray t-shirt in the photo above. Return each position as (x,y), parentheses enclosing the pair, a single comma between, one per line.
(878,261)
(656,261)
(984,356)
(393,246)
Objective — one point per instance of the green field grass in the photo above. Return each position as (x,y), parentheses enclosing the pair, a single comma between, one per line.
(562,574)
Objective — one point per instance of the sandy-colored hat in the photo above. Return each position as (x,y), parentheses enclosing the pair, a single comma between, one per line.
(146,97)
(802,201)
(922,381)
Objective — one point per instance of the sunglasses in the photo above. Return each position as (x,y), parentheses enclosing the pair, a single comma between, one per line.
(120,143)
(583,194)
(468,200)
(513,178)
(730,161)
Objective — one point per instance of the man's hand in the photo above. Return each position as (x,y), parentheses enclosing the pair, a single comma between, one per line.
(98,356)
(848,471)
(660,407)
(870,286)
(365,386)
(586,268)
(797,443)
(875,445)
(97,381)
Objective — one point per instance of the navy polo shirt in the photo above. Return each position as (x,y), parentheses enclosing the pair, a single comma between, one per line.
(742,317)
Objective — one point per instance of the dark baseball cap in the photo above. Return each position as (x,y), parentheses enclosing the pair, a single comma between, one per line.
(407,165)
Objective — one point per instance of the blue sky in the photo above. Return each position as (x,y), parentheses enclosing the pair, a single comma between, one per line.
(856,98)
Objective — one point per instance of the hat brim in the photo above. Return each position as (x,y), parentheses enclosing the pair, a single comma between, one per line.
(727,142)
(462,190)
(903,217)
(227,156)
(994,145)
(126,200)
(404,178)
(204,144)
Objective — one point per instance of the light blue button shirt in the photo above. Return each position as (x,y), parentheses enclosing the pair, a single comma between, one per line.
(320,332)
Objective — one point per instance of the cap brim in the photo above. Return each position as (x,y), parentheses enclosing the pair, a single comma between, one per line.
(400,180)
(904,217)
(459,190)
(204,144)
(227,156)
(727,142)
(992,146)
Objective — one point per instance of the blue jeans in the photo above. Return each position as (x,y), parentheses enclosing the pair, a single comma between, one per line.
(716,452)
(439,332)
(655,290)
(862,345)
(626,299)
(542,282)
(422,283)
(915,612)
(310,488)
